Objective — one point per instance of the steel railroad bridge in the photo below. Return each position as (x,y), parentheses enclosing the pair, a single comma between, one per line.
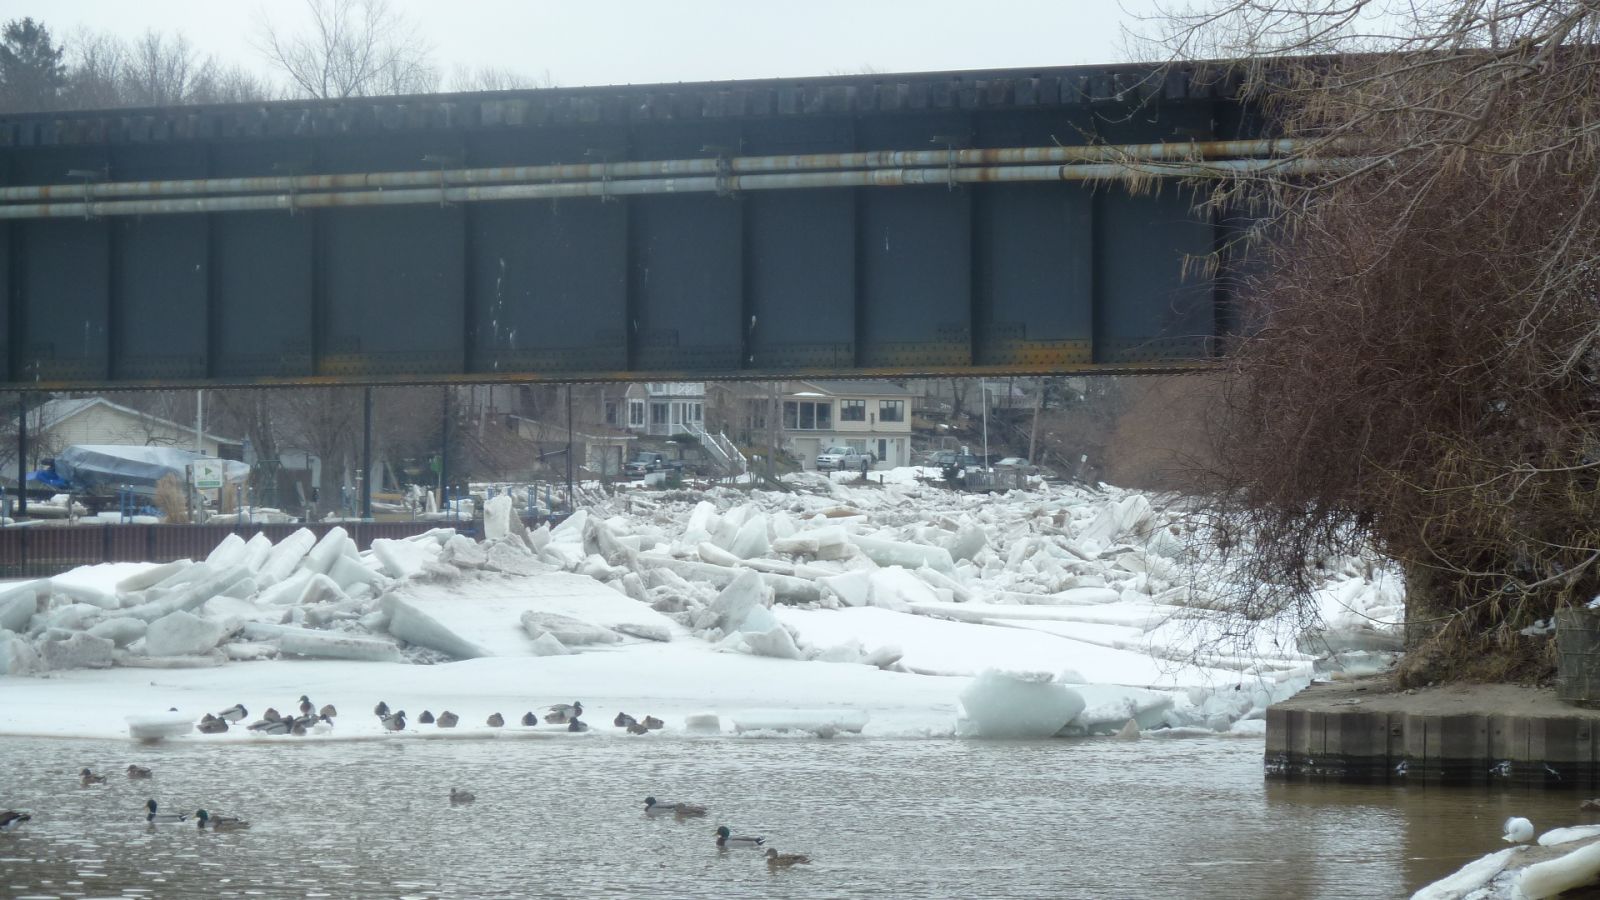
(871,225)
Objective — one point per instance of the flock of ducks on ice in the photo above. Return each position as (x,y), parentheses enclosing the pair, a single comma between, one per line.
(311,719)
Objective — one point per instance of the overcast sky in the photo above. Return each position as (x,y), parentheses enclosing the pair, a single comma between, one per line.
(635,41)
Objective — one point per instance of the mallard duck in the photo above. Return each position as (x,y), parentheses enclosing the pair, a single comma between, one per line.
(395,721)
(161,818)
(271,715)
(459,797)
(327,712)
(268,719)
(11,819)
(654,807)
(529,719)
(651,723)
(785,860)
(447,719)
(1518,830)
(138,771)
(636,728)
(381,710)
(86,777)
(729,841)
(279,725)
(576,725)
(212,725)
(306,708)
(623,720)
(496,720)
(562,713)
(204,819)
(233,713)
(425,719)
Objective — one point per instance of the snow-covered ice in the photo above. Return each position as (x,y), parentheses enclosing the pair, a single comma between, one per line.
(895,608)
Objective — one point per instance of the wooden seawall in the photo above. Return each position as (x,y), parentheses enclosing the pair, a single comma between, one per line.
(1365,732)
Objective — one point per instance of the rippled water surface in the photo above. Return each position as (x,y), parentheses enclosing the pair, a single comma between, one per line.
(1184,818)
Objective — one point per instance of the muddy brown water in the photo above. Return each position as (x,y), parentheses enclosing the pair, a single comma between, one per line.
(879,817)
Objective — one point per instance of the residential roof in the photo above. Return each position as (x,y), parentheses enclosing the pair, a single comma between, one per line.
(51,413)
(861,387)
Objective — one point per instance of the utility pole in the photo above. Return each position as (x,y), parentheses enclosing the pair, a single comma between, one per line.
(772,432)
(571,497)
(22,455)
(1033,435)
(444,445)
(366,453)
(199,421)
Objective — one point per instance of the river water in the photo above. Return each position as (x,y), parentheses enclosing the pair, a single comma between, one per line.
(879,817)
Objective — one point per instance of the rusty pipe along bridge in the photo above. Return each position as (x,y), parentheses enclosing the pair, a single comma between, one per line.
(871,225)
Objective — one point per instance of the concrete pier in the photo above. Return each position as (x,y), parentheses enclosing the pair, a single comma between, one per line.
(1366,732)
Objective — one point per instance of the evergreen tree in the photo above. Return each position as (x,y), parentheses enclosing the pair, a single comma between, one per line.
(32,73)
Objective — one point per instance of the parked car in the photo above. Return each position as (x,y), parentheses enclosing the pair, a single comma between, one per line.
(943,459)
(843,458)
(648,461)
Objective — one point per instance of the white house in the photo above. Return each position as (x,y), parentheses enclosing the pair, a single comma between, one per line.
(57,424)
(865,415)
(658,408)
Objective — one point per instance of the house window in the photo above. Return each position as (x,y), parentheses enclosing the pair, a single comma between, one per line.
(611,412)
(658,413)
(852,410)
(891,410)
(697,412)
(804,415)
(677,413)
(636,413)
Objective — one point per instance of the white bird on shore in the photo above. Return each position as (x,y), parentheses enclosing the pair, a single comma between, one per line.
(1518,830)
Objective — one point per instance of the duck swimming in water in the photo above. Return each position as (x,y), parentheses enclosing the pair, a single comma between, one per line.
(778,860)
(636,728)
(726,840)
(204,819)
(653,807)
(138,772)
(161,818)
(459,797)
(12,819)
(86,777)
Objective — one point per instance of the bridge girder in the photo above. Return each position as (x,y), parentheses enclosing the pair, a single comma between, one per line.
(1043,277)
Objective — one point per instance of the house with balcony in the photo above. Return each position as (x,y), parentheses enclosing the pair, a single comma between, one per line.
(658,408)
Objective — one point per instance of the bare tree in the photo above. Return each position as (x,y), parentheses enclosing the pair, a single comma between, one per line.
(352,48)
(497,78)
(1423,371)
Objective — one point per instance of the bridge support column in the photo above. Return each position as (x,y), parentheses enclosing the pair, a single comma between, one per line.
(572,504)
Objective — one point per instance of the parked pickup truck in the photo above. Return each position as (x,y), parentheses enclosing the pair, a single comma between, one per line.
(843,458)
(647,462)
